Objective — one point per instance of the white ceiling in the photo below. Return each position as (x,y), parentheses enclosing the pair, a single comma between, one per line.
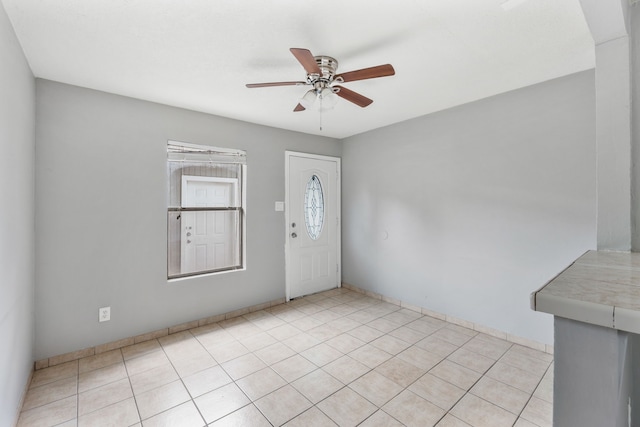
(198,54)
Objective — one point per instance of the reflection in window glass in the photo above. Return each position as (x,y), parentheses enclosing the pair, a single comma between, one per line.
(205,216)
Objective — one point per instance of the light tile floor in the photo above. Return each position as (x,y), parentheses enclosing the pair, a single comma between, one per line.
(334,358)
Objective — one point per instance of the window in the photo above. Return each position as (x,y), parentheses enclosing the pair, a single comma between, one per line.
(314,207)
(205,217)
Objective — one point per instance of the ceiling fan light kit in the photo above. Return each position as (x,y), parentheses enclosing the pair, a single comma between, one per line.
(308,99)
(328,98)
(321,76)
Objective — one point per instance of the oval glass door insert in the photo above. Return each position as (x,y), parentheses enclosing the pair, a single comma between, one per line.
(314,207)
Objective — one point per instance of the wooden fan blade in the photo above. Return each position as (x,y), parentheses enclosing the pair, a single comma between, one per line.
(367,73)
(354,97)
(251,85)
(305,57)
(299,107)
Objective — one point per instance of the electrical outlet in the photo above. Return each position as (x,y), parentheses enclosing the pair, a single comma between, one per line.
(104,314)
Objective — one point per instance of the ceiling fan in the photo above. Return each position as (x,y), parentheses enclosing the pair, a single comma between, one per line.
(321,75)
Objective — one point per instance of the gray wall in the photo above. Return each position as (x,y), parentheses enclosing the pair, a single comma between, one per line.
(469,210)
(634,55)
(634,16)
(17,142)
(101,219)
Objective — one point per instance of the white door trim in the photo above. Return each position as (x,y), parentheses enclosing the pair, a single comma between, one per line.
(187,178)
(288,155)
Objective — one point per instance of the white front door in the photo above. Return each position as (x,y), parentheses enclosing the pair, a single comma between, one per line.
(313,223)
(209,235)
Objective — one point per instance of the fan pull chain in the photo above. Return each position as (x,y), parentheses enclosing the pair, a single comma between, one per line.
(321,112)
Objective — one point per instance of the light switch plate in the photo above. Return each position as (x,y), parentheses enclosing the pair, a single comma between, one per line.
(279,206)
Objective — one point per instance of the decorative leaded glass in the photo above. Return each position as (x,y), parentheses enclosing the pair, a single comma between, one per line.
(314,207)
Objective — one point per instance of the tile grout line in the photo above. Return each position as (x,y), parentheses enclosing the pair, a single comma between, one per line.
(466,391)
(133,394)
(78,393)
(193,399)
(341,315)
(233,381)
(532,393)
(379,408)
(181,379)
(103,385)
(371,369)
(281,303)
(287,383)
(290,383)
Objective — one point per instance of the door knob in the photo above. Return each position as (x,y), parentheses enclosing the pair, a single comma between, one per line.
(294,235)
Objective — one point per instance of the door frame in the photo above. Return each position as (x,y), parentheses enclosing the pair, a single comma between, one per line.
(287,157)
(187,178)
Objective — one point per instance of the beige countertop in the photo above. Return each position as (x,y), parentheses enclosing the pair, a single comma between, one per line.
(601,288)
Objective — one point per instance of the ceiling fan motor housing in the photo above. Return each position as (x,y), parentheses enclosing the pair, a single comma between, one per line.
(328,66)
